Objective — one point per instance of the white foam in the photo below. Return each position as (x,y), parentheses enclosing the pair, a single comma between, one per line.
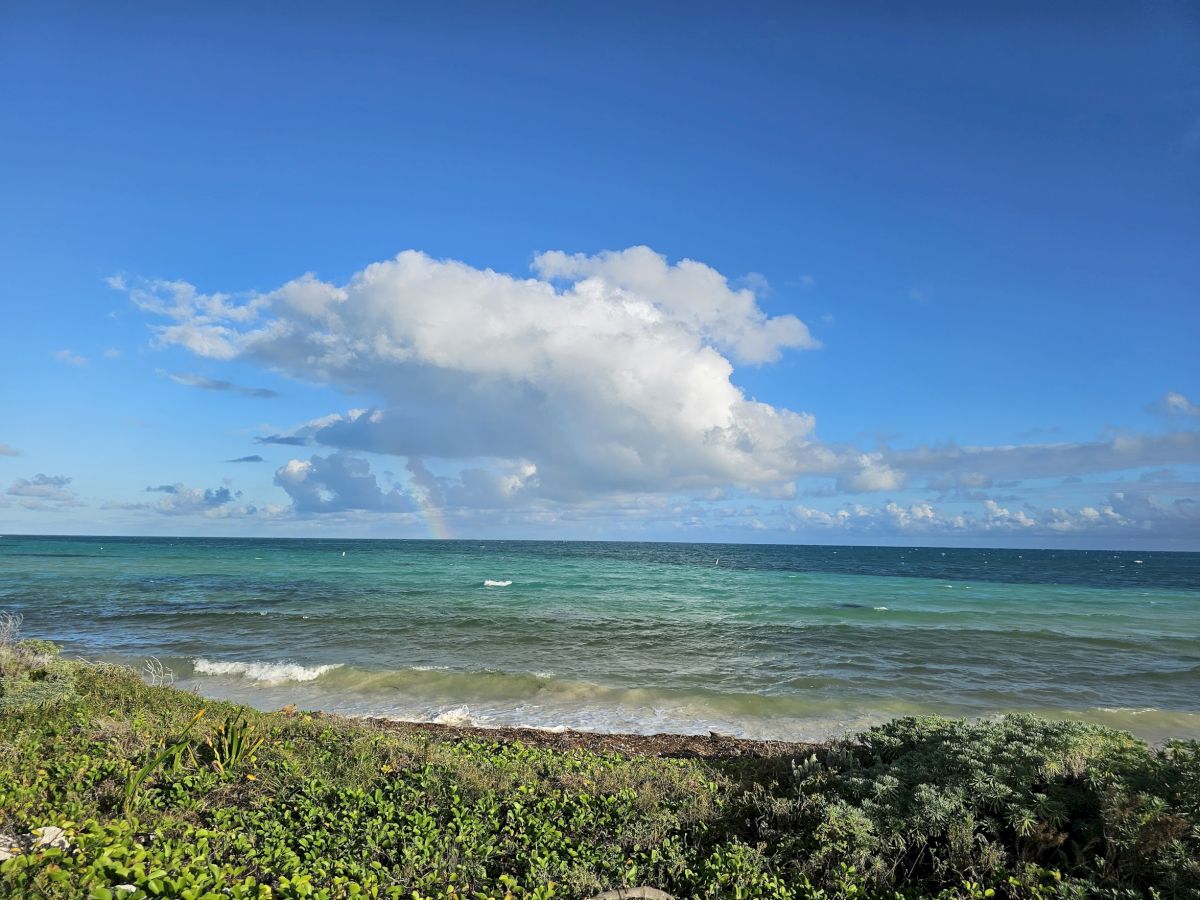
(881,608)
(487,582)
(263,672)
(459,715)
(430,668)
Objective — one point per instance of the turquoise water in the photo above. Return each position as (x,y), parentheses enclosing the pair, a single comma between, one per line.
(776,641)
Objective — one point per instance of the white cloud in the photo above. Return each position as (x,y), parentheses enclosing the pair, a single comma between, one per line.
(6,450)
(612,381)
(872,475)
(998,516)
(180,500)
(1174,403)
(71,359)
(689,293)
(44,492)
(1123,515)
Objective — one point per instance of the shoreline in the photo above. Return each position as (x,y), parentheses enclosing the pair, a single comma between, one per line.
(667,745)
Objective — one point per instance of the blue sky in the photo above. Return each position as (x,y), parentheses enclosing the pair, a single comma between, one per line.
(633,271)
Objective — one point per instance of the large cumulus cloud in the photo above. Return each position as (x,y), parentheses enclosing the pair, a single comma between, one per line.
(607,373)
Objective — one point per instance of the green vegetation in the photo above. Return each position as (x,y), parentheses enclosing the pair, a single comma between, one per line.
(163,795)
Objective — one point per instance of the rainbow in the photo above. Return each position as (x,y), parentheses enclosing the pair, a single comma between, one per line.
(435,518)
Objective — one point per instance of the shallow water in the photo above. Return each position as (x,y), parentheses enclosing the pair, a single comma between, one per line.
(772,641)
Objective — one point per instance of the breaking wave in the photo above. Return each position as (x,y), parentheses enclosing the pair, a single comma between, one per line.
(262,672)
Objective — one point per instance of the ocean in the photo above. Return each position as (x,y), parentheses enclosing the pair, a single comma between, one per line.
(783,642)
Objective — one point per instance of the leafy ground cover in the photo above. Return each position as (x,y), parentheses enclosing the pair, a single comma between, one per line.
(163,794)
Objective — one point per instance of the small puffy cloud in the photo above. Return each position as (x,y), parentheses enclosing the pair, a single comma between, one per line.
(44,492)
(218,384)
(6,450)
(999,516)
(70,358)
(181,500)
(255,458)
(112,353)
(1173,403)
(871,474)
(337,483)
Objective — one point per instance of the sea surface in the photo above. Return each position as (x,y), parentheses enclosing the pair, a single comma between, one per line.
(793,642)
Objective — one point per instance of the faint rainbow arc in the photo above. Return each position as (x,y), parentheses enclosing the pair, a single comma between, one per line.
(434,516)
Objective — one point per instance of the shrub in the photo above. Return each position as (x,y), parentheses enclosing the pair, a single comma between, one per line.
(936,801)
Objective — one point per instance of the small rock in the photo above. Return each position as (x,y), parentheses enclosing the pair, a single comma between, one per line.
(51,836)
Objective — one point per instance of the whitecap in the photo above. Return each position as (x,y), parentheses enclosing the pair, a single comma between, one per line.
(881,608)
(263,672)
(487,582)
